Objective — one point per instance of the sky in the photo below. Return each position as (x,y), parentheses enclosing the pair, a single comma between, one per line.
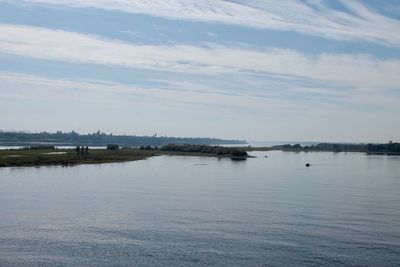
(314,70)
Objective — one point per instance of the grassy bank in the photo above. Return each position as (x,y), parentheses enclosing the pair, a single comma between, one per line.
(68,157)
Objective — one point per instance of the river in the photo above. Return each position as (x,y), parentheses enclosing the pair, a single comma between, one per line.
(344,210)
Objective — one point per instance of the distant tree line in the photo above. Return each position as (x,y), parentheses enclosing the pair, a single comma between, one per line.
(384,148)
(101,139)
(389,148)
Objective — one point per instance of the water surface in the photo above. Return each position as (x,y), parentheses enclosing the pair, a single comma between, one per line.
(193,211)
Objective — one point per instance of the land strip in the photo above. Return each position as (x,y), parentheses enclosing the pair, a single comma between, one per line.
(70,157)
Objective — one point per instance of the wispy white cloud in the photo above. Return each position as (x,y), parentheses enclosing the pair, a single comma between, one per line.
(308,17)
(356,70)
(102,92)
(114,107)
(24,86)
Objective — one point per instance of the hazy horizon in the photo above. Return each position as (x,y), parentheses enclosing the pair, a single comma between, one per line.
(249,141)
(256,70)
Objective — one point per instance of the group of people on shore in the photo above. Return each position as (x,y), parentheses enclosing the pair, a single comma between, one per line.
(80,151)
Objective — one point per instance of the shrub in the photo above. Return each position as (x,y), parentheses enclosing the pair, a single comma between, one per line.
(112,147)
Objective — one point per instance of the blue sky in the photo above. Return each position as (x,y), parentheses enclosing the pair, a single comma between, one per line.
(258,69)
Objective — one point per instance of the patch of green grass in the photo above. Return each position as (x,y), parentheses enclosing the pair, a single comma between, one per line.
(26,157)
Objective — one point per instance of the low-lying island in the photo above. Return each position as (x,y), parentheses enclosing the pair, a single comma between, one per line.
(48,156)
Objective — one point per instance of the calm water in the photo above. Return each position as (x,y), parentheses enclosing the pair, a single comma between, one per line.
(190,211)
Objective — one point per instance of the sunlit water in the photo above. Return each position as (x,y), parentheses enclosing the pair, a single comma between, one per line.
(188,211)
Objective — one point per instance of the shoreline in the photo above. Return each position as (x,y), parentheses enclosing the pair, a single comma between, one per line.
(69,158)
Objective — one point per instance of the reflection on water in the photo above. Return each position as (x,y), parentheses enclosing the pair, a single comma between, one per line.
(343,210)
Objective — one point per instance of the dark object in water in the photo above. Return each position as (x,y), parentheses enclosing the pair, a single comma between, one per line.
(266,156)
(238,158)
(308,165)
